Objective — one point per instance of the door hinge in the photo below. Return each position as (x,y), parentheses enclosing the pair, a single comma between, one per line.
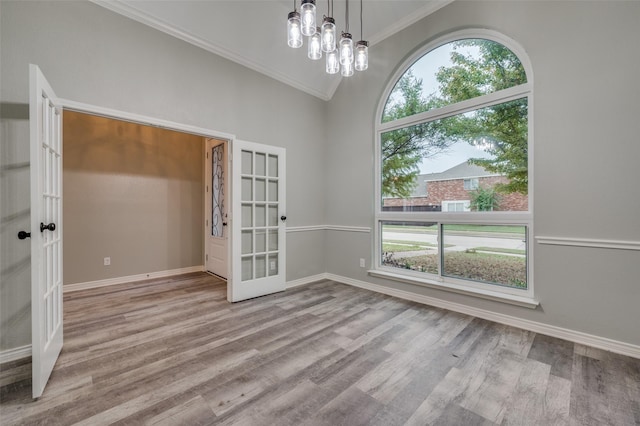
(206,257)
(207,155)
(206,222)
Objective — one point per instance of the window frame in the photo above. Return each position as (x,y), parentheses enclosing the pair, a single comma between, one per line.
(520,297)
(470,184)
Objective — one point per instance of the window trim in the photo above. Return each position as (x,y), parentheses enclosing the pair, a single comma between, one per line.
(508,295)
(473,183)
(466,204)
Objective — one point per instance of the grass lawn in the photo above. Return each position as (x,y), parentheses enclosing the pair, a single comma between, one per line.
(502,229)
(403,245)
(400,247)
(500,250)
(492,268)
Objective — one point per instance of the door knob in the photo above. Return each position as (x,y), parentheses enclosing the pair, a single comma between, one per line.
(23,234)
(50,227)
(283,218)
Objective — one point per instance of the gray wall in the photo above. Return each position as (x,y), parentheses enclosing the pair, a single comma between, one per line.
(133,193)
(586,151)
(94,56)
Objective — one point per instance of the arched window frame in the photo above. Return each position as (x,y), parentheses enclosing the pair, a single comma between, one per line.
(489,291)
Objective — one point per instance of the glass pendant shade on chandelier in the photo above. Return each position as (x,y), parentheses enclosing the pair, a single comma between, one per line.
(315,46)
(333,64)
(308,17)
(293,30)
(340,55)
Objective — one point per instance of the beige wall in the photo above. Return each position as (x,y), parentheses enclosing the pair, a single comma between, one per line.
(133,193)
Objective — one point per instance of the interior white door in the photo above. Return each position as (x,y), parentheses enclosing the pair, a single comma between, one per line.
(45,124)
(257,221)
(216,229)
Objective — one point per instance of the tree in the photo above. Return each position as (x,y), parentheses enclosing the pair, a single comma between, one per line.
(500,129)
(404,149)
(484,199)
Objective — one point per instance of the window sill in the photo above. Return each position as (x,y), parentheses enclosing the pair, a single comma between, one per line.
(511,299)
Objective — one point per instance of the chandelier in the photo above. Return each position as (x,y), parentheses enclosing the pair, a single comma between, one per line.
(339,55)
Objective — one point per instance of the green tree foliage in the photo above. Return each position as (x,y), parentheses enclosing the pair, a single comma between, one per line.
(484,199)
(501,130)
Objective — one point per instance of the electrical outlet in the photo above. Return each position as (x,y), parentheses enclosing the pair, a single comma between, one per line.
(362,263)
(107,261)
(273,265)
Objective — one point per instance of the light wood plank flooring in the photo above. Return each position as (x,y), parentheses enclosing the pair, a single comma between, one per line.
(174,352)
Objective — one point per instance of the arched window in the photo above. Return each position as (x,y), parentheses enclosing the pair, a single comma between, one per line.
(454,169)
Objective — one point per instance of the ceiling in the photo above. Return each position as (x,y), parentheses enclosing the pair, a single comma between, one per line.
(253,32)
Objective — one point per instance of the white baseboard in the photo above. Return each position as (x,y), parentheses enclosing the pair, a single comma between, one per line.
(15,353)
(537,327)
(131,278)
(307,280)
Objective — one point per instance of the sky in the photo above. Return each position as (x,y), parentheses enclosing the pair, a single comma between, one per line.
(426,69)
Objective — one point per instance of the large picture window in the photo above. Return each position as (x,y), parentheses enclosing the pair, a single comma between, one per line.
(456,120)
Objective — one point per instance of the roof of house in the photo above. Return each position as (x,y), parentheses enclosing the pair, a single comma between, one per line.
(463,170)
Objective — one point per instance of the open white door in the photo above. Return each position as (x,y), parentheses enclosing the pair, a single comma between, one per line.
(216,230)
(45,115)
(257,221)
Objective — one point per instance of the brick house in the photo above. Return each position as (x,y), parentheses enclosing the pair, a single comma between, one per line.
(450,191)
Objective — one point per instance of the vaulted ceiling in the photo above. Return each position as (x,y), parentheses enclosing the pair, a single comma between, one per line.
(253,32)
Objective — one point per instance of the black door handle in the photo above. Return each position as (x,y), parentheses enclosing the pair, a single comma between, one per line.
(23,234)
(50,227)
(283,218)
(224,223)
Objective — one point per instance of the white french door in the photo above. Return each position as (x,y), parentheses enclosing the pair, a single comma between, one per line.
(216,218)
(45,115)
(258,221)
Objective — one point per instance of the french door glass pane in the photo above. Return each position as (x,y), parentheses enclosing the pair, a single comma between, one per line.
(261,266)
(261,164)
(273,190)
(247,268)
(247,189)
(273,264)
(494,254)
(410,245)
(261,215)
(273,240)
(273,165)
(261,190)
(273,215)
(261,240)
(247,216)
(247,163)
(247,242)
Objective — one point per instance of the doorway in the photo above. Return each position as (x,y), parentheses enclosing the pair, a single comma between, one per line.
(133,200)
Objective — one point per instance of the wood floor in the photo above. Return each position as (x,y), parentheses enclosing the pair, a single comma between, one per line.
(174,352)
